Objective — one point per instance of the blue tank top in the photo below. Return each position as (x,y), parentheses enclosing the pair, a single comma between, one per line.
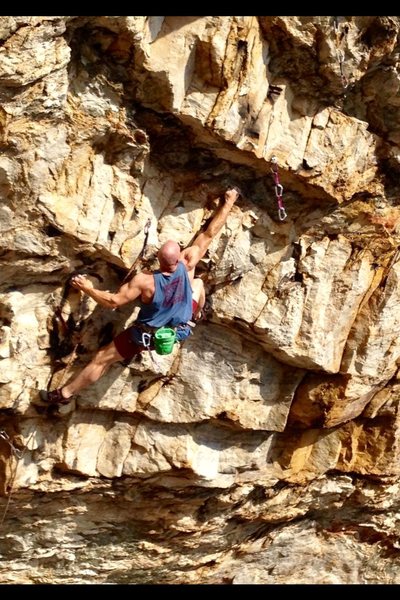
(172,301)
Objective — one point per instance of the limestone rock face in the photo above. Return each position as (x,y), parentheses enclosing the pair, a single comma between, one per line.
(265,448)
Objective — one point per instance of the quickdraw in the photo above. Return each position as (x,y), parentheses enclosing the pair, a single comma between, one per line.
(146,341)
(278,189)
(4,436)
(19,455)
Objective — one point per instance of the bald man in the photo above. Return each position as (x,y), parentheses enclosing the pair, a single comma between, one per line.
(168,297)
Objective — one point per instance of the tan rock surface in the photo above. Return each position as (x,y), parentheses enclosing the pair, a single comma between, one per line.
(265,449)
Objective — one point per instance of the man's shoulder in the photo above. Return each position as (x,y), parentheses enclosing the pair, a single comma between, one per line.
(143,278)
(183,262)
(146,273)
(190,257)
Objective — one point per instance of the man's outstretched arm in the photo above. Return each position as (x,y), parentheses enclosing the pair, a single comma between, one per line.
(191,255)
(127,292)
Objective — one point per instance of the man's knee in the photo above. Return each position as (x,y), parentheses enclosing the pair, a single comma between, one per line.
(198,288)
(107,355)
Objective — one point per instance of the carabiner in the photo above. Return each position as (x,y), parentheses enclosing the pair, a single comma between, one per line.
(17,453)
(147,226)
(146,339)
(4,435)
(282,213)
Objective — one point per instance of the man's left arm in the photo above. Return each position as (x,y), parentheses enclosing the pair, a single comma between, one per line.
(194,253)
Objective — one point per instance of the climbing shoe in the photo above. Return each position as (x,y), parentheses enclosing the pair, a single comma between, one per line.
(54,398)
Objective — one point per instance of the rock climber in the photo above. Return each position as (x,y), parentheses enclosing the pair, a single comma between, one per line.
(171,296)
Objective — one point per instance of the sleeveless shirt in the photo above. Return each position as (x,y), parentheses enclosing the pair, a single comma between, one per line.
(172,301)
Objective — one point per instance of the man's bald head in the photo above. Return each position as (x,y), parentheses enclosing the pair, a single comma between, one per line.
(168,256)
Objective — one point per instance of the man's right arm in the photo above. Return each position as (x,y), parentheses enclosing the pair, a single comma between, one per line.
(127,292)
(191,255)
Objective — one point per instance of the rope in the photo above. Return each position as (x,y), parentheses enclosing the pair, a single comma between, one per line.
(18,455)
(141,254)
(390,264)
(278,189)
(69,362)
(4,436)
(67,330)
(146,339)
(340,53)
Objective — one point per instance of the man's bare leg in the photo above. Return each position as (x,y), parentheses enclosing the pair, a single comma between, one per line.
(199,295)
(103,360)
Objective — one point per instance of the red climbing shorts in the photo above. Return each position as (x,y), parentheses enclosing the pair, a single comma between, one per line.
(127,347)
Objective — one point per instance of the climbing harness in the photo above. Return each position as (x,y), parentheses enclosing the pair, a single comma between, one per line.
(278,189)
(141,254)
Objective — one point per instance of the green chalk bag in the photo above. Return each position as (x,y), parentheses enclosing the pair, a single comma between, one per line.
(164,340)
